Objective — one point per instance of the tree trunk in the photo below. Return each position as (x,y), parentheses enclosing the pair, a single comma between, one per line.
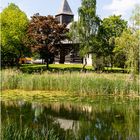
(47,59)
(111,57)
(47,66)
(83,69)
(47,63)
(62,55)
(17,61)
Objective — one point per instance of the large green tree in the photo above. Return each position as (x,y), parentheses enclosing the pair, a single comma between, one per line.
(14,24)
(109,29)
(87,26)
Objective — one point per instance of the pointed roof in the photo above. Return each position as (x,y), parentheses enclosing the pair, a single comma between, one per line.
(65,8)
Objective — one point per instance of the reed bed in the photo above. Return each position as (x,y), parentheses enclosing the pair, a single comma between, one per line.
(80,83)
(12,132)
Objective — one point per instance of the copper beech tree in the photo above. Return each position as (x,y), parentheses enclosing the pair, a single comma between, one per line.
(46,33)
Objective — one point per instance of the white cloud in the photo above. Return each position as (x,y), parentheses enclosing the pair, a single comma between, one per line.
(121,6)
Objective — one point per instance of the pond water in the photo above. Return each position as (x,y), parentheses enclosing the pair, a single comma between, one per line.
(110,120)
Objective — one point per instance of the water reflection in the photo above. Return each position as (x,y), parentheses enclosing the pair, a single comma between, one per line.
(22,120)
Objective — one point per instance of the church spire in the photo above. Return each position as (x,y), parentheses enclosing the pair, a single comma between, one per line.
(65,8)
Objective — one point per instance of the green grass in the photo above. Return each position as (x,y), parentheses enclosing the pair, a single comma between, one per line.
(32,68)
(57,65)
(75,83)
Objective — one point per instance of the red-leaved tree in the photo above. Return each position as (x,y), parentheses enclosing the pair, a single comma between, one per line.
(46,33)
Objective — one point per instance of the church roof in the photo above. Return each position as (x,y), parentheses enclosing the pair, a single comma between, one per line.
(65,8)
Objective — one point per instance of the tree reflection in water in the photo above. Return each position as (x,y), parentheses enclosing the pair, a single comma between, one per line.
(111,121)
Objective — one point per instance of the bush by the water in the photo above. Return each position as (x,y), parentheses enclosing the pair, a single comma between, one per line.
(88,83)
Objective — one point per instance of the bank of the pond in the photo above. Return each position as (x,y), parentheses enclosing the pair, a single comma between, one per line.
(53,96)
(76,83)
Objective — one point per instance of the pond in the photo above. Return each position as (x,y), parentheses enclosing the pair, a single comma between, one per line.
(100,120)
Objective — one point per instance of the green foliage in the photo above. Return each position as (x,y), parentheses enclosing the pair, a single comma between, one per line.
(129,44)
(120,59)
(112,26)
(109,29)
(14,24)
(73,32)
(85,30)
(135,18)
(87,25)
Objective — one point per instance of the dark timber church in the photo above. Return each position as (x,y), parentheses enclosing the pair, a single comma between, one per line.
(69,52)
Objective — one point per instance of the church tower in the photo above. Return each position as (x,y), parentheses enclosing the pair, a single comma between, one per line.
(65,14)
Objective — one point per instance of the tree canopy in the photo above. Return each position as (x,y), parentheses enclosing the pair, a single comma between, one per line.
(109,29)
(14,24)
(128,43)
(87,25)
(135,18)
(85,30)
(46,33)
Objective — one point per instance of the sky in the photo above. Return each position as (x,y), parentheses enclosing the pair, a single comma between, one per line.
(105,8)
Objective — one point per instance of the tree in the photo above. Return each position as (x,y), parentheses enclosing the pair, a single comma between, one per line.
(73,32)
(87,26)
(46,33)
(135,18)
(128,43)
(14,24)
(109,29)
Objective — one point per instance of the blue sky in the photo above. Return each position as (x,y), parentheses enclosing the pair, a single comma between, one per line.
(50,7)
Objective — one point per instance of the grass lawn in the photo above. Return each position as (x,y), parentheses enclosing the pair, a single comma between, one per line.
(61,66)
(30,68)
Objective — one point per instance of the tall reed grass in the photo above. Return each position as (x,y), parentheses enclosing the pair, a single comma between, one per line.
(90,83)
(12,132)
